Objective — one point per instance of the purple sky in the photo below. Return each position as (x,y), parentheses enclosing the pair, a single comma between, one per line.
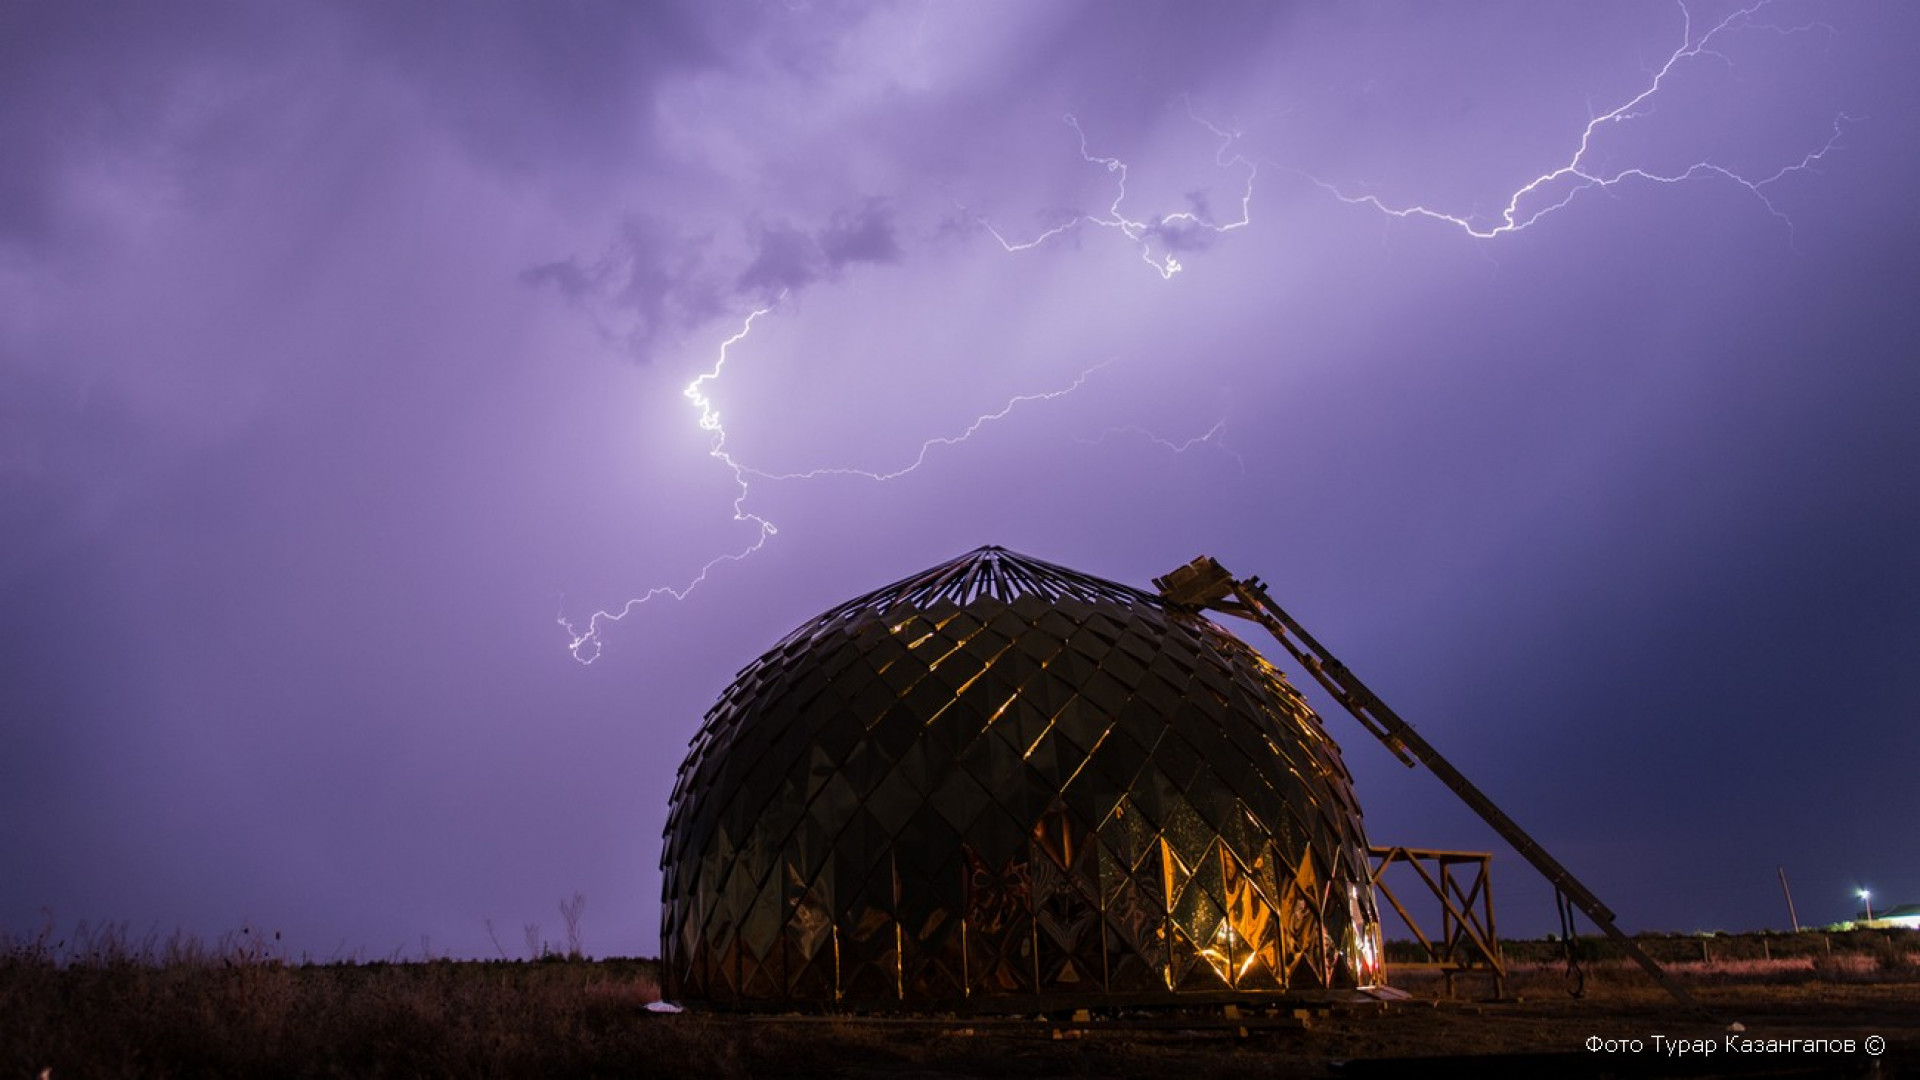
(342,348)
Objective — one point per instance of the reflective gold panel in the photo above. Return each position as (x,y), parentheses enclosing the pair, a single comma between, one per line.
(1002,784)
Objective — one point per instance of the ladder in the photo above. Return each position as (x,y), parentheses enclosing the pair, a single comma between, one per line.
(1205,584)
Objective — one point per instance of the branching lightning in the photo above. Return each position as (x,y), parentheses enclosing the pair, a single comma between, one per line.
(1210,437)
(1552,190)
(1166,233)
(1170,231)
(920,458)
(585,643)
(1156,240)
(1159,239)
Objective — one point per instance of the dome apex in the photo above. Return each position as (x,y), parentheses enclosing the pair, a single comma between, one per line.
(993,572)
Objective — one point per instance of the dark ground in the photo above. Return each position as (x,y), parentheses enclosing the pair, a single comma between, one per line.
(143,1013)
(1537,1035)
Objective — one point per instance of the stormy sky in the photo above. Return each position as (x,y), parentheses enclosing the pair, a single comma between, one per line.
(344,349)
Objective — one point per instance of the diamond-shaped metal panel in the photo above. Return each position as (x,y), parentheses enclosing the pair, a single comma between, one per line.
(1001,784)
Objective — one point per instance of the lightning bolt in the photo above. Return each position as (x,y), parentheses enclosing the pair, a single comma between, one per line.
(944,440)
(1159,238)
(585,643)
(1172,231)
(1210,437)
(1556,188)
(1168,232)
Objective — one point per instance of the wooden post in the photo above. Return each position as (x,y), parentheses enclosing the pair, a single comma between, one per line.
(1795,919)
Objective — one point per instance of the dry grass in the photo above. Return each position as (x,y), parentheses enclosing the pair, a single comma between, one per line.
(102,1003)
(1860,956)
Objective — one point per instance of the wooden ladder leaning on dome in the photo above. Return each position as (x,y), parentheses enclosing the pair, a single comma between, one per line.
(1205,584)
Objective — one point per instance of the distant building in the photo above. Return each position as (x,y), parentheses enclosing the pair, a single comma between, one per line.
(1901,917)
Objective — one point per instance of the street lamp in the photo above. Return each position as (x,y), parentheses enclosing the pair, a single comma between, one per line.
(1866,897)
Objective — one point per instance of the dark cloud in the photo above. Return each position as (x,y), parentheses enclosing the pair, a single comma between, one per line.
(649,286)
(577,281)
(1182,235)
(863,235)
(527,88)
(655,282)
(174,98)
(787,259)
(313,416)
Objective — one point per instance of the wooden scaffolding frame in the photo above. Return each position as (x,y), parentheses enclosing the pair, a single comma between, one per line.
(1461,882)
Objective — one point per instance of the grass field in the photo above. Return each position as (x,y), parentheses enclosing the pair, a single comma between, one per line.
(102,1004)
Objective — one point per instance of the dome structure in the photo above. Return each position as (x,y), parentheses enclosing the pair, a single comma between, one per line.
(1002,784)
